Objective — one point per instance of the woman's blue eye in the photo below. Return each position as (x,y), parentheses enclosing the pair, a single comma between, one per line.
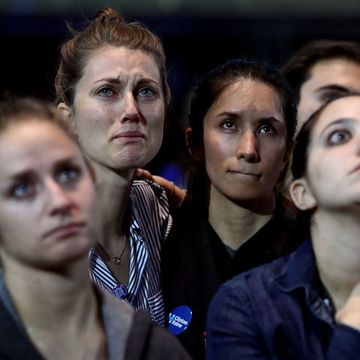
(106,92)
(68,175)
(22,190)
(338,137)
(146,92)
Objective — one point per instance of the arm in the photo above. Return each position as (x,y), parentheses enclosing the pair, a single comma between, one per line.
(232,329)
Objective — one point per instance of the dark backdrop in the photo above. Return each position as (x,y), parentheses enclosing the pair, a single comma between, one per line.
(193,44)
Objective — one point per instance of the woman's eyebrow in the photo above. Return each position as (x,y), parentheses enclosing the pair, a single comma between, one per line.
(341,121)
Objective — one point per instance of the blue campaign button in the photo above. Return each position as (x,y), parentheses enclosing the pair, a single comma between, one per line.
(179,319)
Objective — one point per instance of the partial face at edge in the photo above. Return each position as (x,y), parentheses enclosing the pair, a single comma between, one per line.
(328,79)
(332,181)
(245,143)
(119,108)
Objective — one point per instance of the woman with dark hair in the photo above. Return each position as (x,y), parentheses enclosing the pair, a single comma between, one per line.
(111,85)
(305,305)
(242,121)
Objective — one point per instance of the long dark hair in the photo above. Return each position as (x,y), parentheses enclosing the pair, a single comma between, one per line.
(207,91)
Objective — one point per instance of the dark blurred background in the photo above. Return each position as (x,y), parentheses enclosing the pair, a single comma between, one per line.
(197,35)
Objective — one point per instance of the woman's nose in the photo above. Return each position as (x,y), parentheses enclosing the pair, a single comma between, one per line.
(59,199)
(248,147)
(131,111)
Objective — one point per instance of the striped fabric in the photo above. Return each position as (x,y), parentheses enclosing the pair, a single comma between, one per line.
(150,224)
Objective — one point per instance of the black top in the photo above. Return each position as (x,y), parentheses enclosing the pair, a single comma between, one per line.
(195,263)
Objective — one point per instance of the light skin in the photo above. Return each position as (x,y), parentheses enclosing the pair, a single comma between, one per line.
(327,80)
(119,109)
(245,152)
(331,188)
(118,115)
(48,221)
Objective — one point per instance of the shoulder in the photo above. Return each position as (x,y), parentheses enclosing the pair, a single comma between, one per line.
(149,204)
(263,275)
(249,286)
(14,343)
(117,317)
(148,188)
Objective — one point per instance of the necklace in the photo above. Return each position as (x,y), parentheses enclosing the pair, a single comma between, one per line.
(117,259)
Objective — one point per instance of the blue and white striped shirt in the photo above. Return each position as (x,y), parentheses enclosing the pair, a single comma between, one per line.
(150,223)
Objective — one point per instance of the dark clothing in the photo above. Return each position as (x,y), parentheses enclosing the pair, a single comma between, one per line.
(196,263)
(122,326)
(278,311)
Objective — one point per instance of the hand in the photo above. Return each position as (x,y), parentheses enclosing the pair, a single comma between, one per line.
(175,194)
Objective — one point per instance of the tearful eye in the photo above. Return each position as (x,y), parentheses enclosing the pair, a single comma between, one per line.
(146,92)
(338,137)
(106,92)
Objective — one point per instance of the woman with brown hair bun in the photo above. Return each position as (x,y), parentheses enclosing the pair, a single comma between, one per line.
(111,85)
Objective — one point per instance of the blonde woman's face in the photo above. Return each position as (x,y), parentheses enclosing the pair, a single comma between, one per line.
(48,213)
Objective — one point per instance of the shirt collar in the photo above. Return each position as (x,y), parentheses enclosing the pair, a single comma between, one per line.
(300,271)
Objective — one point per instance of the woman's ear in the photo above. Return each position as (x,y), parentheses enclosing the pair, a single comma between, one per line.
(67,113)
(301,195)
(193,150)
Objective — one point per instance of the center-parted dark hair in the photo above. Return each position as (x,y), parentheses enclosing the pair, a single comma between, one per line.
(301,149)
(208,90)
(212,85)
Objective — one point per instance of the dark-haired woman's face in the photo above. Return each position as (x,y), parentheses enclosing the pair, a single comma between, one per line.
(245,143)
(333,168)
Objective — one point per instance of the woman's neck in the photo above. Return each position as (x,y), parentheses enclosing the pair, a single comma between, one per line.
(58,309)
(114,193)
(335,238)
(46,299)
(234,224)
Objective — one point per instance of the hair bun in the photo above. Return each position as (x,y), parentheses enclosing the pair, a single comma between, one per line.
(109,13)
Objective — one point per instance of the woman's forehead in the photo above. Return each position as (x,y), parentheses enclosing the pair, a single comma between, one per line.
(343,108)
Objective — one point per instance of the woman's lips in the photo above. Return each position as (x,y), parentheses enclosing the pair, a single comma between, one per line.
(64,231)
(245,173)
(129,135)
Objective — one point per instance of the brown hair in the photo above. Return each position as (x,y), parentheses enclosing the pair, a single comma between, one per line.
(108,28)
(15,110)
(297,69)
